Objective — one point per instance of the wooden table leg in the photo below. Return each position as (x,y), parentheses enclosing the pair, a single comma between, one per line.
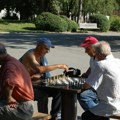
(69,106)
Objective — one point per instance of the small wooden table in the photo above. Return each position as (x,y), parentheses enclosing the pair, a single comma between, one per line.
(68,99)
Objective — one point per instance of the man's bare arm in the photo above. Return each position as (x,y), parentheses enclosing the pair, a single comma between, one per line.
(10,100)
(42,69)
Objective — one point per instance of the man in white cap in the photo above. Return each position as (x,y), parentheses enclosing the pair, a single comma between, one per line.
(33,61)
(88,98)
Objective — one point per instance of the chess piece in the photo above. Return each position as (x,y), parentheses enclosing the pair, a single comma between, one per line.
(72,72)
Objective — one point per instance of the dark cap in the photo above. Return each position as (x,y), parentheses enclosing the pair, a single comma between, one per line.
(89,41)
(45,41)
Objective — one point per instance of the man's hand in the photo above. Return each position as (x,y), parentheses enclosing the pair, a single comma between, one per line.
(11,102)
(84,75)
(63,66)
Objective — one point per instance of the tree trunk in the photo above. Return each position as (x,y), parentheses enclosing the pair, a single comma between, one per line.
(44,5)
(79,17)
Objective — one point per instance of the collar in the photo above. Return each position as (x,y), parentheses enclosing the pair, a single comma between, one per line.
(109,56)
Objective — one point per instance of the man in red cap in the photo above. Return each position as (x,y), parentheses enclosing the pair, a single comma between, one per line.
(88,42)
(88,98)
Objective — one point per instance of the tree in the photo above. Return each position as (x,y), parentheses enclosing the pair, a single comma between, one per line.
(28,8)
(118,2)
(106,7)
(54,6)
(68,6)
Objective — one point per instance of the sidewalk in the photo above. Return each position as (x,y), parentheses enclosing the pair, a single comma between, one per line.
(66,49)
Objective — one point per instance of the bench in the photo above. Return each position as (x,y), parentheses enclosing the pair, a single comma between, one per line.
(88,25)
(41,116)
(117,116)
(38,115)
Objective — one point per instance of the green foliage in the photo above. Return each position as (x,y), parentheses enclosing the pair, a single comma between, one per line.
(113,18)
(72,25)
(54,6)
(115,23)
(29,8)
(68,6)
(89,6)
(50,22)
(102,22)
(105,7)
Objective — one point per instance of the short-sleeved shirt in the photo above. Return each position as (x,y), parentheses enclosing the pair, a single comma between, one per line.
(13,73)
(44,62)
(105,79)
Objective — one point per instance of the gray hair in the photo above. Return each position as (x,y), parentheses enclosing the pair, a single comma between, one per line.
(102,47)
(2,49)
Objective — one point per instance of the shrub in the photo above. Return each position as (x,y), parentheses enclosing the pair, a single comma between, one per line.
(115,23)
(102,22)
(50,22)
(72,25)
(113,17)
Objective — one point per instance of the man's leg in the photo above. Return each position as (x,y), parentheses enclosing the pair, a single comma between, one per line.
(56,102)
(42,98)
(88,99)
(23,111)
(90,116)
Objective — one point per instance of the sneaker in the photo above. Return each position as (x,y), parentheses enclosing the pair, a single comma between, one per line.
(59,115)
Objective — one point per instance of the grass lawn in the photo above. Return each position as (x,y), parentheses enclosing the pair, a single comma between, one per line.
(17,26)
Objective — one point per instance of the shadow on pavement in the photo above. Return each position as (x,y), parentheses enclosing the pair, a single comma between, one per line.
(59,39)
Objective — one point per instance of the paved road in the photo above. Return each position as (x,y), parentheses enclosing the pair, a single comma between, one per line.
(67,48)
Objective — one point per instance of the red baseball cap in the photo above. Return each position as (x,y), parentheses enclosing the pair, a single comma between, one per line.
(89,41)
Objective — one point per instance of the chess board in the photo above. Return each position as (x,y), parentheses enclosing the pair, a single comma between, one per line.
(63,81)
